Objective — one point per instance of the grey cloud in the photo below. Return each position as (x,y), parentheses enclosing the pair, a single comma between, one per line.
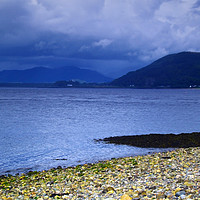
(99,29)
(102,43)
(16,26)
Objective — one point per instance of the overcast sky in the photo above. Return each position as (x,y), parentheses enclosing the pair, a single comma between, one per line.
(111,36)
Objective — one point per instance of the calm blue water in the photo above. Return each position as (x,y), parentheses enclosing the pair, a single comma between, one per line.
(38,126)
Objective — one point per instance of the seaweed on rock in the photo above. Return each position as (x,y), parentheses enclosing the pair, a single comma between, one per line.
(182,140)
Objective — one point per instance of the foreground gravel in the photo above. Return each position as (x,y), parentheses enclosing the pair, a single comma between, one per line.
(167,175)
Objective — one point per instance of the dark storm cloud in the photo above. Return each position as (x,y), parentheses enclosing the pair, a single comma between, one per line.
(134,32)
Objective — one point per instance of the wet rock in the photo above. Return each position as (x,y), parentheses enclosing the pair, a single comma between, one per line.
(108,189)
(182,196)
(126,197)
(2,176)
(166,157)
(59,194)
(178,194)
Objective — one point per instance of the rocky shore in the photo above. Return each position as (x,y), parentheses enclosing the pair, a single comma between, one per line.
(167,175)
(182,140)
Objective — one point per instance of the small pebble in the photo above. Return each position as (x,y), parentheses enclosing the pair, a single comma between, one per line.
(182,196)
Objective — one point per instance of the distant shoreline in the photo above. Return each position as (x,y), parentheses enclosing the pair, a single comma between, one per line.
(81,85)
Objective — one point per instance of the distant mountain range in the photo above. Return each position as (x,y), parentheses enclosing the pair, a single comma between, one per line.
(179,70)
(47,75)
(175,70)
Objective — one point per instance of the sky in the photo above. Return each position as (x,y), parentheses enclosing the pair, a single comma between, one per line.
(109,36)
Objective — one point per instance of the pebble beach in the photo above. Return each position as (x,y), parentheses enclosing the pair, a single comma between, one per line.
(166,175)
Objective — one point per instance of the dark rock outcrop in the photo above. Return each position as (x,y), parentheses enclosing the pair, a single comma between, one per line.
(182,140)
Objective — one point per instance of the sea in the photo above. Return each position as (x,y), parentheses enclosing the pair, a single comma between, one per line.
(42,128)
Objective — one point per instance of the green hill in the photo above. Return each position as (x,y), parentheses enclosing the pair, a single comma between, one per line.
(175,70)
